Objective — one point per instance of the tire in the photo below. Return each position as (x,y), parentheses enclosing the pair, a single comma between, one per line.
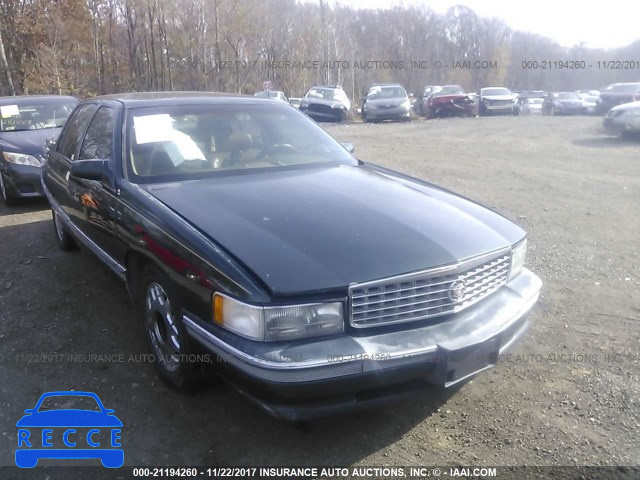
(9,200)
(64,239)
(164,331)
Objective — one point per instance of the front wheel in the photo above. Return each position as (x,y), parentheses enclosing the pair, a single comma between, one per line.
(164,330)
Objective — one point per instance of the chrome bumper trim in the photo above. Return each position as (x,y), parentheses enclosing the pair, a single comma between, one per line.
(502,314)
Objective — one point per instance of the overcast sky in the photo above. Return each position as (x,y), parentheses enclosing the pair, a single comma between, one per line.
(604,24)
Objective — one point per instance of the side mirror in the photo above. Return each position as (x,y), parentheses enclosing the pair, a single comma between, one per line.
(349,147)
(50,143)
(89,169)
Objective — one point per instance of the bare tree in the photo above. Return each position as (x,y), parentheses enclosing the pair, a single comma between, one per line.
(5,66)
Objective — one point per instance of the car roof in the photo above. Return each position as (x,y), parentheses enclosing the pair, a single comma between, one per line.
(151,99)
(25,99)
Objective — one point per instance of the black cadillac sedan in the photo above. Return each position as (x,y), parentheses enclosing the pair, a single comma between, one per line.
(26,123)
(318,282)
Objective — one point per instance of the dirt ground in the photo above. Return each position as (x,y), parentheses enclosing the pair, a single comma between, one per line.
(568,394)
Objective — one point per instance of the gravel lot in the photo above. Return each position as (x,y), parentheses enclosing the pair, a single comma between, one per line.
(568,394)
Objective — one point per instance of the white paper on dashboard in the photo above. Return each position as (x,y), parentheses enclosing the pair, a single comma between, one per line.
(9,111)
(153,128)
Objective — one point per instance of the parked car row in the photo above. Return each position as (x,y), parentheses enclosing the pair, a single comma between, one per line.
(390,101)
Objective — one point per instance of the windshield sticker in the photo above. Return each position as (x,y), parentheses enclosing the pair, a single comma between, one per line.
(153,128)
(9,111)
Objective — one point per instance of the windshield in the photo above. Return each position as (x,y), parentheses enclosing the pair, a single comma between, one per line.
(386,92)
(449,90)
(566,96)
(495,91)
(190,142)
(34,116)
(326,93)
(535,101)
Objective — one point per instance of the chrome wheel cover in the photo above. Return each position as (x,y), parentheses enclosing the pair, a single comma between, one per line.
(161,327)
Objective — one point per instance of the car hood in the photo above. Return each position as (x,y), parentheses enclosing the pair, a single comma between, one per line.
(32,142)
(626,106)
(69,418)
(449,98)
(321,229)
(498,97)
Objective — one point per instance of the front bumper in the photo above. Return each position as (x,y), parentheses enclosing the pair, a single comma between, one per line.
(325,114)
(454,108)
(499,108)
(297,381)
(22,180)
(391,113)
(621,125)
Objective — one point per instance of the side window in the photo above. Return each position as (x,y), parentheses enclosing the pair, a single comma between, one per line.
(72,134)
(98,141)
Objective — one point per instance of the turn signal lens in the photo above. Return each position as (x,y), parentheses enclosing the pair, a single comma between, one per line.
(280,323)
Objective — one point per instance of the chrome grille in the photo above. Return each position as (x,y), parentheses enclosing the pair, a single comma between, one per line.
(427,294)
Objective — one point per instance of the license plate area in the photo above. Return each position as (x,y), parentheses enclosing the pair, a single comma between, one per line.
(466,362)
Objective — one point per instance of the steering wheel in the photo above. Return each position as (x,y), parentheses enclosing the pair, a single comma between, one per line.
(283,148)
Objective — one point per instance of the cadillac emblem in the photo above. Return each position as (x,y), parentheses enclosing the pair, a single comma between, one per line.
(456,291)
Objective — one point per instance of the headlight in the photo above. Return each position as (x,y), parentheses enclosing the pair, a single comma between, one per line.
(337,105)
(406,104)
(271,324)
(21,159)
(518,254)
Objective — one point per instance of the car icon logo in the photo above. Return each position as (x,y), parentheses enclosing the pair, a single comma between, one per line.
(52,429)
(456,291)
